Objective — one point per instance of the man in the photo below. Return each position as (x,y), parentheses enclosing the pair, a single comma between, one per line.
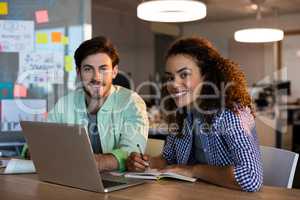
(115,117)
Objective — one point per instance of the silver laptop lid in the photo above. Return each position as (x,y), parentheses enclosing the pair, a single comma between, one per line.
(62,154)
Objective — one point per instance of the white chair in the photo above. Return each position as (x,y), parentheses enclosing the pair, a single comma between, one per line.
(279,166)
(154,147)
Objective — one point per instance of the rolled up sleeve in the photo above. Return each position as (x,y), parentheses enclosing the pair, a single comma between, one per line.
(134,130)
(241,139)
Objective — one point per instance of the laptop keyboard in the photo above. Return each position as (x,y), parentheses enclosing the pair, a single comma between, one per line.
(107,183)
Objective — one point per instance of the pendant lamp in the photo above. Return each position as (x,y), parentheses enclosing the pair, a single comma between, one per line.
(258,34)
(171,10)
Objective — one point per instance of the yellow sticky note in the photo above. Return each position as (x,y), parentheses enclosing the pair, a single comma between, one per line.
(65,40)
(68,59)
(68,67)
(56,37)
(3,8)
(68,63)
(41,38)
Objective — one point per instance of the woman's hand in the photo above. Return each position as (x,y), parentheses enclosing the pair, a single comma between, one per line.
(184,170)
(136,163)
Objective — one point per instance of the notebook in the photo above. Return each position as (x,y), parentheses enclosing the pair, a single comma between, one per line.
(154,174)
(17,166)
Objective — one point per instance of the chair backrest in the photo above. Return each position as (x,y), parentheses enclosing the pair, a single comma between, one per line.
(279,166)
(154,147)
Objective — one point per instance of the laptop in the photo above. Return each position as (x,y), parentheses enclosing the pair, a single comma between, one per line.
(62,154)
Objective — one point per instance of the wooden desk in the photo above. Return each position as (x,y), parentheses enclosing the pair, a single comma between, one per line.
(27,187)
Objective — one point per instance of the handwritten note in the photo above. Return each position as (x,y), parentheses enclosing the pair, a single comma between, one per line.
(16,35)
(41,67)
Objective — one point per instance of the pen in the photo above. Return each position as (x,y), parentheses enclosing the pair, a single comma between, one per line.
(141,154)
(140,150)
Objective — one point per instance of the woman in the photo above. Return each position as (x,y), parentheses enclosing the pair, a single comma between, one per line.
(206,103)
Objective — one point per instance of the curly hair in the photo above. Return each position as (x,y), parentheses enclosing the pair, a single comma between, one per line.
(224,74)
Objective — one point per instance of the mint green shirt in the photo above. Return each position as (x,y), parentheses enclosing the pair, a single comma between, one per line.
(122,120)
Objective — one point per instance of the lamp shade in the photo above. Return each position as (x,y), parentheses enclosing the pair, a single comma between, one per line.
(258,35)
(171,10)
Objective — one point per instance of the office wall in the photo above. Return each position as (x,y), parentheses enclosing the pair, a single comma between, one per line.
(221,34)
(291,61)
(244,54)
(133,38)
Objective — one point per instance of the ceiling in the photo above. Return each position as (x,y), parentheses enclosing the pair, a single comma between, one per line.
(217,10)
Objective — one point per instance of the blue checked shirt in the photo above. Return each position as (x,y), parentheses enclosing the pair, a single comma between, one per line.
(230,141)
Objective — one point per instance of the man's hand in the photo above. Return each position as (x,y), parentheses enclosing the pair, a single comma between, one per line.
(106,162)
(136,163)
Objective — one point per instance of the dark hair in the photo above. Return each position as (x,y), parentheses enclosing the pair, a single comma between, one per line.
(214,69)
(95,45)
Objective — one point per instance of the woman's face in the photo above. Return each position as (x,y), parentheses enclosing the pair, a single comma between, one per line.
(183,79)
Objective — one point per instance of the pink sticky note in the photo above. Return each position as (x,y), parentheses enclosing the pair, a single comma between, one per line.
(20,91)
(45,115)
(41,16)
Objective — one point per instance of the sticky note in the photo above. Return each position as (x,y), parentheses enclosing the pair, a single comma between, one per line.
(56,37)
(41,16)
(68,59)
(68,67)
(3,8)
(41,38)
(68,63)
(45,114)
(6,90)
(65,40)
(20,91)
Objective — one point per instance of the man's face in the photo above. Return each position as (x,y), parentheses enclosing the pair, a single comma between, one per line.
(96,73)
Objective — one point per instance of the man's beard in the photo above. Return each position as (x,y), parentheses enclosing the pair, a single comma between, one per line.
(90,96)
(95,86)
